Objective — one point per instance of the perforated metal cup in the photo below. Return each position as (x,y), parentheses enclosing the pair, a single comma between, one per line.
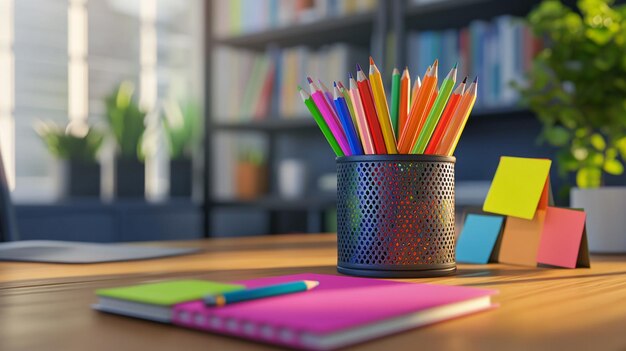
(395,215)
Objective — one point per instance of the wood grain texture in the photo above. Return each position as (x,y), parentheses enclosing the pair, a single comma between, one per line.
(46,306)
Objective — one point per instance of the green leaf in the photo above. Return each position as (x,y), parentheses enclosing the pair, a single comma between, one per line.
(580,153)
(557,135)
(597,141)
(596,159)
(614,167)
(126,120)
(588,177)
(620,144)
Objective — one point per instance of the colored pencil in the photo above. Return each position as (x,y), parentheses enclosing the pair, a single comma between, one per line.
(431,102)
(405,101)
(346,96)
(435,112)
(259,293)
(395,100)
(382,109)
(346,122)
(327,94)
(321,123)
(365,92)
(418,111)
(361,120)
(417,85)
(459,119)
(329,116)
(444,121)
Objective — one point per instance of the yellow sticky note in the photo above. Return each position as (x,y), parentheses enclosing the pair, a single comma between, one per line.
(517,186)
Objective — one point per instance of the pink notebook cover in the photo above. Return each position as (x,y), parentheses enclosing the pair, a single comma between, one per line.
(339,303)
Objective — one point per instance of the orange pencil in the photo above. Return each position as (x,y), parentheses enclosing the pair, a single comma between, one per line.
(458,121)
(435,139)
(417,85)
(431,102)
(418,111)
(405,100)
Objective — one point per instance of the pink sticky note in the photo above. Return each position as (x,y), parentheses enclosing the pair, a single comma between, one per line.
(562,237)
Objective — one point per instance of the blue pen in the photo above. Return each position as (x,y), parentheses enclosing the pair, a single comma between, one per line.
(259,293)
(346,122)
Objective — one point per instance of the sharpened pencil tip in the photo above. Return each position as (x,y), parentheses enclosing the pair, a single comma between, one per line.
(371,61)
(476,79)
(309,80)
(395,71)
(299,87)
(335,84)
(350,76)
(358,67)
(464,80)
(436,63)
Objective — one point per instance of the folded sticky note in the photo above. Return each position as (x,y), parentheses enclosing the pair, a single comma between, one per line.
(478,238)
(520,240)
(562,239)
(518,186)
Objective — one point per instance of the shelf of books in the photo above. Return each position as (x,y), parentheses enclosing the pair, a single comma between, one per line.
(289,23)
(500,50)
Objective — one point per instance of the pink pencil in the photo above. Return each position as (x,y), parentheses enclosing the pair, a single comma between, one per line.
(361,120)
(330,116)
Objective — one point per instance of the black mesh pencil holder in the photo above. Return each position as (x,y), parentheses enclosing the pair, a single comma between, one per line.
(395,215)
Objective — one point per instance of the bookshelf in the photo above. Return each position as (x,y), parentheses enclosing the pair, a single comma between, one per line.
(363,29)
(370,31)
(343,28)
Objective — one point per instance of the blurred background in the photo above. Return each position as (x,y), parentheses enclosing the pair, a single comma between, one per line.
(127,120)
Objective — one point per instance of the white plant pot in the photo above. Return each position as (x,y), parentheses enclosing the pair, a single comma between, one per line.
(606,217)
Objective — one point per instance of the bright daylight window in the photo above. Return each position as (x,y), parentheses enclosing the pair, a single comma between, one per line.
(60,58)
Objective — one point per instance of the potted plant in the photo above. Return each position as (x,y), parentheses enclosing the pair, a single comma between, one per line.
(250,174)
(127,124)
(76,147)
(577,88)
(182,126)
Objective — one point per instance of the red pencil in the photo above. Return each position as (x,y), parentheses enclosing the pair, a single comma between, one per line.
(444,121)
(365,91)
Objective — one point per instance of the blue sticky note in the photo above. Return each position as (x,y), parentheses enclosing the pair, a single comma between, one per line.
(478,238)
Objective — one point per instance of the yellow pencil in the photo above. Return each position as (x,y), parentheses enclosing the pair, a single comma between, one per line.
(382,109)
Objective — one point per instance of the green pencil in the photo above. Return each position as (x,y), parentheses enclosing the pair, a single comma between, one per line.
(435,112)
(395,100)
(321,123)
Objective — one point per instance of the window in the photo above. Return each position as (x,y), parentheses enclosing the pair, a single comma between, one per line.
(60,58)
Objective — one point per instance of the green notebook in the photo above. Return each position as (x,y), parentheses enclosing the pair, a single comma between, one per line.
(154,300)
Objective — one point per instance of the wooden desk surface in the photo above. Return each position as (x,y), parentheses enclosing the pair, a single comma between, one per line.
(46,306)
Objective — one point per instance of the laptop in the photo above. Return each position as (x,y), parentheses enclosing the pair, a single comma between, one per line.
(51,251)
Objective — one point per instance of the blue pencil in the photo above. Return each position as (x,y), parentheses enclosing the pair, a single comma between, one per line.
(259,293)
(346,122)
